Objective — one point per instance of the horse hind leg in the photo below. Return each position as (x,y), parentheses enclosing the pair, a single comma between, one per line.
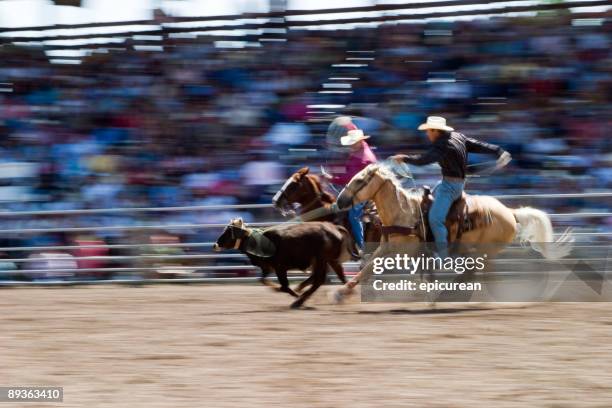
(319,272)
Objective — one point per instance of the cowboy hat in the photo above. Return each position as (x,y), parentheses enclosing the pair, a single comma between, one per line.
(339,127)
(352,137)
(435,122)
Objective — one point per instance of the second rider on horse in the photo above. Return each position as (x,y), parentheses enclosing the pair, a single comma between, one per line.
(360,155)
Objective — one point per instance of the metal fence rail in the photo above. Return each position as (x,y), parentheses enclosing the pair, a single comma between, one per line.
(134,210)
(164,257)
(108,246)
(187,245)
(11,214)
(348,266)
(137,264)
(255,15)
(203,226)
(288,19)
(131,227)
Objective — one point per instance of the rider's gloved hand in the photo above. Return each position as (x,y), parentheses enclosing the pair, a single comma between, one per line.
(398,158)
(503,160)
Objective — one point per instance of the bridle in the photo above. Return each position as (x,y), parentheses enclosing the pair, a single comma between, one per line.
(281,192)
(305,207)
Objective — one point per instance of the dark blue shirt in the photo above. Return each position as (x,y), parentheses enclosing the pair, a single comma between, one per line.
(450,152)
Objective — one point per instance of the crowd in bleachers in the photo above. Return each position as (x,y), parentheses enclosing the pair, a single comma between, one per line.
(203,124)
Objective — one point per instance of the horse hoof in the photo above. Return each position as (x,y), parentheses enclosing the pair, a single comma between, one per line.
(336,297)
(296,305)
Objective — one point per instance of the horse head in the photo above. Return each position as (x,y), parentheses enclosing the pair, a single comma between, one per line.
(300,188)
(367,184)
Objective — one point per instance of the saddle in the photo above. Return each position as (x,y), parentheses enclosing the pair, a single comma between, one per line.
(464,215)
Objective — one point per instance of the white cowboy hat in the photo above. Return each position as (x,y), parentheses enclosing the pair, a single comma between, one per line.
(435,122)
(352,137)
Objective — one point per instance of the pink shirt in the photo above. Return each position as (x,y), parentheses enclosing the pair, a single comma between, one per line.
(356,162)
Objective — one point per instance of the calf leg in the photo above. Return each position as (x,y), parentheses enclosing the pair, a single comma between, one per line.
(339,269)
(304,283)
(264,274)
(284,283)
(319,272)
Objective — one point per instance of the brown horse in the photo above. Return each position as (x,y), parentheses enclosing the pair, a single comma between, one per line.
(401,215)
(315,204)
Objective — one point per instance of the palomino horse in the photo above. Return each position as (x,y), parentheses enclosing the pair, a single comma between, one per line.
(315,203)
(400,212)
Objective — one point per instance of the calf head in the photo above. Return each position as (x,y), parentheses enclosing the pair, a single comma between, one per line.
(232,235)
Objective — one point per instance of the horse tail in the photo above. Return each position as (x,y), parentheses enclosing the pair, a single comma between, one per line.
(536,230)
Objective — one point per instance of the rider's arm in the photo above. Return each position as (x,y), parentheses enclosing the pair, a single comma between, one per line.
(477,146)
(433,155)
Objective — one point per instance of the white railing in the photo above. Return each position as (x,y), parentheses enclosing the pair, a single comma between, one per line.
(4,214)
(114,258)
(51,248)
(142,262)
(134,210)
(131,227)
(109,246)
(561,195)
(203,226)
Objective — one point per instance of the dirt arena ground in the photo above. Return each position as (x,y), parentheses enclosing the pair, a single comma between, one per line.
(240,346)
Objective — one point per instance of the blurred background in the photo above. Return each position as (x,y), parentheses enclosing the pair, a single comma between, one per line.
(191,112)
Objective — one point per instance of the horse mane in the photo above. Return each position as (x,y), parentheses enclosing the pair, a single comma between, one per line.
(387,173)
(413,195)
(326,197)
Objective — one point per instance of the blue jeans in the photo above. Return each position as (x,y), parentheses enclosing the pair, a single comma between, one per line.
(444,194)
(354,216)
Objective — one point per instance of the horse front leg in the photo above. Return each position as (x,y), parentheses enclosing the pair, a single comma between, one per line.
(368,269)
(347,289)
